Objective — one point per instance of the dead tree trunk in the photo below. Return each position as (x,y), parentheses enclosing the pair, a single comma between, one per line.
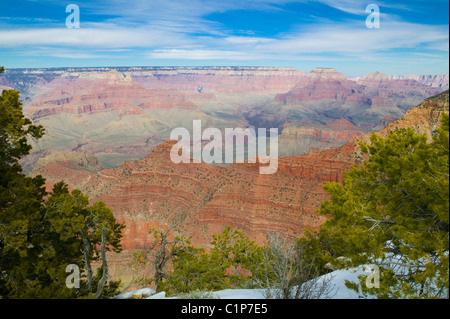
(161,252)
(88,264)
(102,282)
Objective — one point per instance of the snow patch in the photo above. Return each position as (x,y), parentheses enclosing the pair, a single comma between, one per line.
(337,278)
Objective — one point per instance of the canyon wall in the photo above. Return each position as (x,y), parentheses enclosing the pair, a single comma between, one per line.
(121,114)
(203,199)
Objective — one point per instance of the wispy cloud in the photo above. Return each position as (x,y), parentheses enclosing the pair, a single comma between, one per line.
(358,7)
(197,54)
(348,38)
(189,30)
(109,37)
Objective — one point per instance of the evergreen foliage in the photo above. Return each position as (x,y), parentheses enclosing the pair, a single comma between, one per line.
(231,262)
(392,212)
(41,233)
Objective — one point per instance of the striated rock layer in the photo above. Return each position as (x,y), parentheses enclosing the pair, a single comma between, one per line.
(203,199)
(441,81)
(120,114)
(155,192)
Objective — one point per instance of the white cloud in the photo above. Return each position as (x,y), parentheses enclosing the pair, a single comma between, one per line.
(348,38)
(108,37)
(196,54)
(180,30)
(358,7)
(343,38)
(247,40)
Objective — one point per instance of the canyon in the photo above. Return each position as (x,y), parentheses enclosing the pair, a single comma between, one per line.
(121,114)
(108,129)
(203,199)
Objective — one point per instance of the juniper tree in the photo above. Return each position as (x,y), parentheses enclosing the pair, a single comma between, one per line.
(21,198)
(159,255)
(393,212)
(39,237)
(231,262)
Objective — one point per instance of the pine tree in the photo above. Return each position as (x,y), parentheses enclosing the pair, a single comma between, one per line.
(393,212)
(237,255)
(78,230)
(161,252)
(39,238)
(21,197)
(231,262)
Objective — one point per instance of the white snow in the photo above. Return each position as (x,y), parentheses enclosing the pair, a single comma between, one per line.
(340,291)
(130,294)
(159,295)
(338,278)
(240,294)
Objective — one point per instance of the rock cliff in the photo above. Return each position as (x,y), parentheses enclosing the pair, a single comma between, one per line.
(155,192)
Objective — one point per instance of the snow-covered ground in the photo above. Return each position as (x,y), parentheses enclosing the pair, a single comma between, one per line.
(141,292)
(338,278)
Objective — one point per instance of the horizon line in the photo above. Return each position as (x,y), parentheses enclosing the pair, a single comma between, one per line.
(203,67)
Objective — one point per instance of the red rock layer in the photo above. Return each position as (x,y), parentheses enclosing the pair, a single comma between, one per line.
(203,199)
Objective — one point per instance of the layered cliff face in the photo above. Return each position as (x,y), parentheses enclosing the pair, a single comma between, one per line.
(120,114)
(221,79)
(424,119)
(155,192)
(305,113)
(441,81)
(305,139)
(330,96)
(109,115)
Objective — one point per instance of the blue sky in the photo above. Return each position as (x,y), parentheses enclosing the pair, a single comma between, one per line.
(413,37)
